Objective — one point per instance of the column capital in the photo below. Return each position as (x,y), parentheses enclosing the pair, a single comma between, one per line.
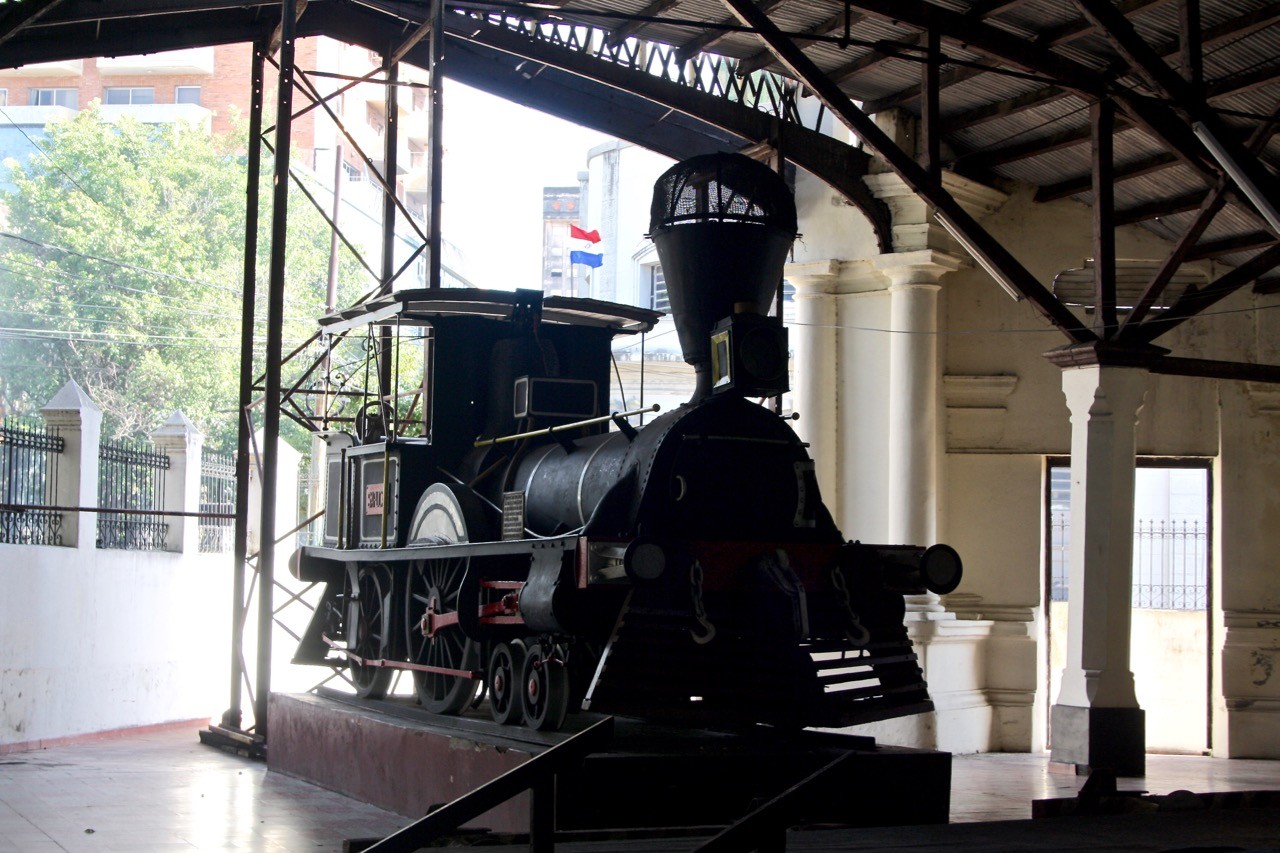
(914,226)
(920,267)
(813,278)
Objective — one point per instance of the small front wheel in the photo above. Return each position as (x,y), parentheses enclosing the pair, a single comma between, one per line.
(506,665)
(546,689)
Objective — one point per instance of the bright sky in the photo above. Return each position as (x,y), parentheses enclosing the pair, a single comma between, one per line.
(498,157)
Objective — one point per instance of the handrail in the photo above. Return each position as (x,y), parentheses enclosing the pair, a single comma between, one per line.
(765,829)
(536,774)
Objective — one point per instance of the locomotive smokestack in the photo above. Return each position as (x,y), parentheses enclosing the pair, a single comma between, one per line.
(722,225)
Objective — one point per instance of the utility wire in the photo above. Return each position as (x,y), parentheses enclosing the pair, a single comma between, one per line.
(49,157)
(121,264)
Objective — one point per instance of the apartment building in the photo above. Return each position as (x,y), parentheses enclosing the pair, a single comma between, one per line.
(210,87)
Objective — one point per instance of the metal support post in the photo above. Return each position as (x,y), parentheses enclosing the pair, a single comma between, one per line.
(232,717)
(275,333)
(390,143)
(437,142)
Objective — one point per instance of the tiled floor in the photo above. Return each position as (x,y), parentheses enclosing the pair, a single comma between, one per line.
(162,790)
(1002,786)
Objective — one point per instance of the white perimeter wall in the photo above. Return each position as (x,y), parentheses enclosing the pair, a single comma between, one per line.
(94,640)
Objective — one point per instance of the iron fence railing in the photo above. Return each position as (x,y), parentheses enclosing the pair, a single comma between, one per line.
(1170,565)
(1170,562)
(29,453)
(131,477)
(217,495)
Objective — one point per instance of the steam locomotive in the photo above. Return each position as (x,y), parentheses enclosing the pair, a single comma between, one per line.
(527,549)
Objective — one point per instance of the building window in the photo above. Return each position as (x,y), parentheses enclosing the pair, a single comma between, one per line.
(374,116)
(4,97)
(69,98)
(354,173)
(129,95)
(186,95)
(658,300)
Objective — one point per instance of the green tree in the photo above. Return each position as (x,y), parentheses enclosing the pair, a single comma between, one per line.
(121,267)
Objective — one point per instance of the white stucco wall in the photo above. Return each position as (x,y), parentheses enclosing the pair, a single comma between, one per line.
(94,640)
(1002,411)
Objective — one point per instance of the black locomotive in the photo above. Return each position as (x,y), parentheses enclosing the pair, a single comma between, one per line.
(525,548)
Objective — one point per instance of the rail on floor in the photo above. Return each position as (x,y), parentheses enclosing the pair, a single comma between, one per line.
(537,775)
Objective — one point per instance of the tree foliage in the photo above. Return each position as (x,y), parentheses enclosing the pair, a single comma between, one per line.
(121,268)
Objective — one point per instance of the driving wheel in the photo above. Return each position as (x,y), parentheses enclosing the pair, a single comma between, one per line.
(444,515)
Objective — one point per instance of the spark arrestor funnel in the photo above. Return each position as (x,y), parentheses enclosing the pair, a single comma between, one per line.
(722,224)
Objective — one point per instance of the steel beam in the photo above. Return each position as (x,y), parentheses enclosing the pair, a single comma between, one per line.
(1225,31)
(233,716)
(712,35)
(1102,121)
(274,347)
(633,28)
(1254,179)
(437,67)
(985,248)
(1052,38)
(19,15)
(1193,302)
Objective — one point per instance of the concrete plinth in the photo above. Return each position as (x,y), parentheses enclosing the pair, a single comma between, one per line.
(652,776)
(1100,738)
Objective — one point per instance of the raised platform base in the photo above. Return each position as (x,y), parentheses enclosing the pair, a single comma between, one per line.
(397,757)
(1111,739)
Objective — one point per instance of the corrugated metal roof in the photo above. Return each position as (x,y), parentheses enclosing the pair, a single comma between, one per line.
(984,70)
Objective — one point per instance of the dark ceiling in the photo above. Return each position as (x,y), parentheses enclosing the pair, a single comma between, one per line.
(1019,90)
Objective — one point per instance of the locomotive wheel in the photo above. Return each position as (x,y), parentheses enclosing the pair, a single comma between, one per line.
(433,587)
(367,618)
(546,689)
(446,514)
(506,665)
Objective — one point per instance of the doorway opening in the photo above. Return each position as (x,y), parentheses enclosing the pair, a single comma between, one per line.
(1171,633)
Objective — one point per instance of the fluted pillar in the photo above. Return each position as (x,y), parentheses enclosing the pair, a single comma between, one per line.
(815,369)
(913,399)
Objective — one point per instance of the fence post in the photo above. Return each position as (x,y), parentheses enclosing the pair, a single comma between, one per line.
(182,442)
(79,421)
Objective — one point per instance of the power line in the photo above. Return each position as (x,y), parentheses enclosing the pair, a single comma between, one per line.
(49,157)
(56,335)
(121,264)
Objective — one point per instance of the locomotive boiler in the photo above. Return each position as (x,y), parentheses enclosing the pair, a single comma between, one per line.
(504,540)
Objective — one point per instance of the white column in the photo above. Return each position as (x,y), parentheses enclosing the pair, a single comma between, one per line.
(78,420)
(1096,721)
(913,399)
(182,442)
(815,368)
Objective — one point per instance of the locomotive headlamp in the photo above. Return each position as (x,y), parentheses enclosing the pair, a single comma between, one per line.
(749,356)
(940,569)
(644,560)
(912,570)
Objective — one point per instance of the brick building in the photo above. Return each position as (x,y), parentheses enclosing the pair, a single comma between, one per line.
(210,87)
